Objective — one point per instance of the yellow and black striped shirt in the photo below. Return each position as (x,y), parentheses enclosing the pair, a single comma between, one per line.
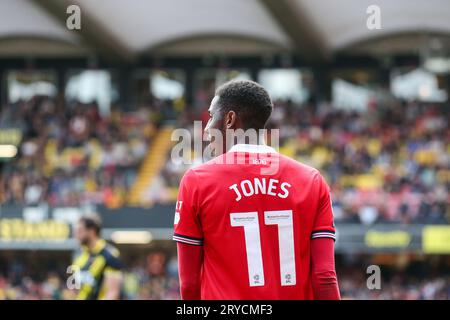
(93,266)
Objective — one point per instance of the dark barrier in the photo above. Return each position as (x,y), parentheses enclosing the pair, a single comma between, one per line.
(44,227)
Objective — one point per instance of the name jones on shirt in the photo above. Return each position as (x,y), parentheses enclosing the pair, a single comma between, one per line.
(271,187)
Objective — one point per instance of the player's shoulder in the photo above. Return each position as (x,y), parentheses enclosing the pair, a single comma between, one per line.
(299,167)
(110,251)
(204,168)
(112,256)
(215,167)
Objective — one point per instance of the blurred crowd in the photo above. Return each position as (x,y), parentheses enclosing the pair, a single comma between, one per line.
(388,164)
(413,280)
(401,287)
(70,155)
(156,278)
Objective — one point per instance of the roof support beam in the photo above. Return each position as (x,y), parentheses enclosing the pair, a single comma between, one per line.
(297,25)
(92,32)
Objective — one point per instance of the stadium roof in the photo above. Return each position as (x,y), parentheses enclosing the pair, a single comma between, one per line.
(126,29)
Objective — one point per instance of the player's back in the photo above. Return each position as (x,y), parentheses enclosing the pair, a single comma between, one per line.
(255,212)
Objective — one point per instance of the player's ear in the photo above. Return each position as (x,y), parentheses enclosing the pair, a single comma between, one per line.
(230,120)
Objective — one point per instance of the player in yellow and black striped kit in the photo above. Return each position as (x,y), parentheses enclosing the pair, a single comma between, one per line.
(99,266)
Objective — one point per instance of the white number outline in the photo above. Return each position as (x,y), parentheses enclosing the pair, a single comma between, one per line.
(283,219)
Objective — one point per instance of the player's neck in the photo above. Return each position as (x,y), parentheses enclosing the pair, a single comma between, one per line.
(260,141)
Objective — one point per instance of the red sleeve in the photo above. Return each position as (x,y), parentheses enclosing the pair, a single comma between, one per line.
(324,279)
(187,226)
(323,223)
(190,260)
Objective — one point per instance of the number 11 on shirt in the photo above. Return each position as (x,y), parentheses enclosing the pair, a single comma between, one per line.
(250,222)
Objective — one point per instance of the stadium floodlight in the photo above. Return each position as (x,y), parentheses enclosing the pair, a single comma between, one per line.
(8,151)
(131,237)
(438,65)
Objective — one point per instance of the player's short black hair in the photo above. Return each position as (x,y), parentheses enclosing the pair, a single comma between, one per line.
(92,222)
(248,99)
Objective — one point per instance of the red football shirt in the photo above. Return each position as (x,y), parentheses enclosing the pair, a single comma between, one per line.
(255,212)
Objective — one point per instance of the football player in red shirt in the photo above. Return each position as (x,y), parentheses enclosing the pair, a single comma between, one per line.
(252,223)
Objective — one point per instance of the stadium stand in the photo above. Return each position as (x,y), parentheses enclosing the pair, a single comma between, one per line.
(91,112)
(73,156)
(156,278)
(382,166)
